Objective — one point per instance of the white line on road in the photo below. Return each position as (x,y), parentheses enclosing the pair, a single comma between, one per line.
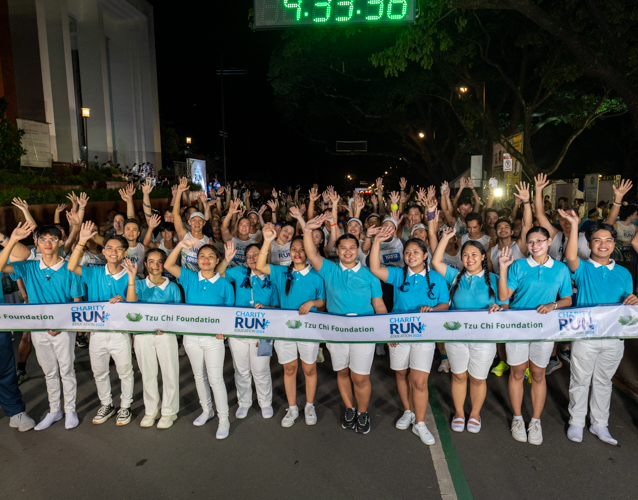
(446,486)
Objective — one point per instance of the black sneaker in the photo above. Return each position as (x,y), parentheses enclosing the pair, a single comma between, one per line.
(123,416)
(565,355)
(81,341)
(362,423)
(349,418)
(104,413)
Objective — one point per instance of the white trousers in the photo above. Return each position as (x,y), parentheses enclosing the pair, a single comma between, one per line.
(149,350)
(56,356)
(102,347)
(206,354)
(247,364)
(595,362)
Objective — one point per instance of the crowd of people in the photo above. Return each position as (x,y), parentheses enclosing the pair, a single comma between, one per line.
(409,250)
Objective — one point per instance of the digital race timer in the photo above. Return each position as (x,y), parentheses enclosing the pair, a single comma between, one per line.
(289,13)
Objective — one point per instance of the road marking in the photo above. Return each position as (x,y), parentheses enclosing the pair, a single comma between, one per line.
(446,486)
(448,465)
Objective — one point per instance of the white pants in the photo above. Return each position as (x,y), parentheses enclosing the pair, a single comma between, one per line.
(472,357)
(287,351)
(206,354)
(102,347)
(247,363)
(414,355)
(56,356)
(357,357)
(595,362)
(149,349)
(522,352)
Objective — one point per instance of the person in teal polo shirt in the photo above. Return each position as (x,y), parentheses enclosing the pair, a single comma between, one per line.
(416,288)
(538,282)
(107,283)
(594,362)
(252,289)
(351,289)
(205,352)
(149,348)
(299,288)
(473,287)
(48,281)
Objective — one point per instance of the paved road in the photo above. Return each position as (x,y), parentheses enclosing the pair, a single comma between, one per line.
(260,459)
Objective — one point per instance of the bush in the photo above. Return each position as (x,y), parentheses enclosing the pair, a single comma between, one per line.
(35,197)
(49,177)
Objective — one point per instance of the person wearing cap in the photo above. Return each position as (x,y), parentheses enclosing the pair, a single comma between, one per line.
(391,250)
(420,232)
(372,220)
(355,228)
(196,221)
(254,231)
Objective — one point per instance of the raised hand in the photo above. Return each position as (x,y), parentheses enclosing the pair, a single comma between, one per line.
(87,232)
(182,186)
(220,191)
(130,190)
(403,182)
(129,266)
(73,218)
(505,258)
(421,195)
(234,207)
(174,190)
(523,192)
(261,210)
(295,212)
(394,197)
(540,181)
(83,200)
(72,198)
(463,182)
(22,230)
(448,234)
(21,204)
(445,188)
(60,208)
(371,231)
(202,196)
(432,193)
(623,189)
(470,183)
(272,204)
(570,215)
(334,198)
(385,233)
(317,222)
(380,184)
(269,233)
(229,250)
(147,187)
(154,221)
(430,204)
(313,194)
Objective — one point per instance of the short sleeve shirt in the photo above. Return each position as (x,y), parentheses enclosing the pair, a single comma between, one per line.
(349,290)
(305,285)
(211,292)
(534,284)
(472,291)
(261,289)
(417,289)
(598,284)
(47,285)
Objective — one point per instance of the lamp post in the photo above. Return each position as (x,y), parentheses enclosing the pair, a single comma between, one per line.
(188,140)
(86,113)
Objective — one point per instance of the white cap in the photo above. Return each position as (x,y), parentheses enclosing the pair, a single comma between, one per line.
(197,214)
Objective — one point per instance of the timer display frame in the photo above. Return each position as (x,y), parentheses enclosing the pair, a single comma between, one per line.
(302,13)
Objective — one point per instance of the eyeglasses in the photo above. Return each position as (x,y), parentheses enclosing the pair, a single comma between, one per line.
(48,240)
(536,243)
(253,255)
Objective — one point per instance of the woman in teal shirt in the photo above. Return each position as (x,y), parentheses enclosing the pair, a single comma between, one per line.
(205,352)
(300,288)
(351,289)
(420,290)
(473,287)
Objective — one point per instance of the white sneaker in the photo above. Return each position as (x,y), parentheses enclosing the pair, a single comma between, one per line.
(166,422)
(518,431)
(320,357)
(203,418)
(223,428)
(444,366)
(422,431)
(71,420)
(406,419)
(242,412)
(535,433)
(575,433)
(268,412)
(22,421)
(48,420)
(310,414)
(291,415)
(149,420)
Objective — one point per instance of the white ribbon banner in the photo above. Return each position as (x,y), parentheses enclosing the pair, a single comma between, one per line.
(599,322)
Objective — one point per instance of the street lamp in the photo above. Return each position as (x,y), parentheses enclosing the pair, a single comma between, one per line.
(421,135)
(498,192)
(86,113)
(188,140)
(463,89)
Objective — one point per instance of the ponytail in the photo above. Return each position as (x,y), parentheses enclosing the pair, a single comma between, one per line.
(488,280)
(289,277)
(405,286)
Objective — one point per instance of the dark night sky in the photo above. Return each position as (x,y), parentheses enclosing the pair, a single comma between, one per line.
(190,38)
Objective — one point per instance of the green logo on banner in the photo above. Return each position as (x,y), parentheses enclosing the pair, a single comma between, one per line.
(293,323)
(627,320)
(452,325)
(134,317)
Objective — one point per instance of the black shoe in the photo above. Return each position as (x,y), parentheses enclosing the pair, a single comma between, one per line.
(349,418)
(104,413)
(81,341)
(362,423)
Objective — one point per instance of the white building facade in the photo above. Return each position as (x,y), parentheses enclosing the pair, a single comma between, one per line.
(96,54)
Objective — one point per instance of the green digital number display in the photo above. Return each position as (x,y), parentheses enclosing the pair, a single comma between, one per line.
(290,13)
